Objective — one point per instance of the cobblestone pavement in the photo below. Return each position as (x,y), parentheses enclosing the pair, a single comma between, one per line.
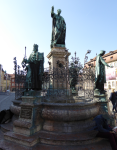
(6,100)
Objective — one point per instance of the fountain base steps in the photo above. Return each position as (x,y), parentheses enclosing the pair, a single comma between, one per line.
(101,144)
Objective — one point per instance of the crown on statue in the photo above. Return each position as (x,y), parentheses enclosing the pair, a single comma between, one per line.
(35,47)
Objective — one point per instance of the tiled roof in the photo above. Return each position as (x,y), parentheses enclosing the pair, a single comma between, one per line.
(12,75)
(111,53)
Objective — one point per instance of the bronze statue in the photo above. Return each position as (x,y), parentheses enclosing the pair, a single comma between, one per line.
(100,77)
(58,29)
(34,66)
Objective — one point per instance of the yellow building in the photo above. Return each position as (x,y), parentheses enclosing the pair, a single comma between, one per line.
(5,81)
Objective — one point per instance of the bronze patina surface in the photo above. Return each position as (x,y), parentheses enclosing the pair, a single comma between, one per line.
(58,29)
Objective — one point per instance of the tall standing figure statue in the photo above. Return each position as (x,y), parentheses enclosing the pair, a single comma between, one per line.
(58,29)
(35,69)
(100,77)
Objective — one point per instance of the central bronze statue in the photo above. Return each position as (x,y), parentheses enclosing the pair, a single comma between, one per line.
(100,77)
(58,29)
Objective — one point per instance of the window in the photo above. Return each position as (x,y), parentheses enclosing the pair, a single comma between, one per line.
(115,64)
(113,83)
(111,57)
(105,84)
(13,84)
(12,80)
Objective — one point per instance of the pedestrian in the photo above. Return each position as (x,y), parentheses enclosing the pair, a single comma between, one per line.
(105,131)
(113,98)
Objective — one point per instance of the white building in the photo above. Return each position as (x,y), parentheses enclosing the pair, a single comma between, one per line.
(111,76)
(0,76)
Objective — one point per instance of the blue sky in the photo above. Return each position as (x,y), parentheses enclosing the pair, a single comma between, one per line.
(91,24)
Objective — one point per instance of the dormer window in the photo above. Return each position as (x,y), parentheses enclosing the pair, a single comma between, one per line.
(111,52)
(111,57)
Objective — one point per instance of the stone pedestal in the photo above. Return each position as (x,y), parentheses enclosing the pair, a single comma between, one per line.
(29,122)
(58,53)
(61,55)
(102,101)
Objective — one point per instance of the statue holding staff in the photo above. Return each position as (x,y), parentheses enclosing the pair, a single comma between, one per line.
(58,29)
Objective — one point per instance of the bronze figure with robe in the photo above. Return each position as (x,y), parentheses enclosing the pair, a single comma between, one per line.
(100,77)
(58,29)
(35,69)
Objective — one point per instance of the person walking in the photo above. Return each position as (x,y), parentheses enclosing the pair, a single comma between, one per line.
(104,131)
(113,99)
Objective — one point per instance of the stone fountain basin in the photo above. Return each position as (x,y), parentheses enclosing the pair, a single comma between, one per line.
(69,111)
(68,120)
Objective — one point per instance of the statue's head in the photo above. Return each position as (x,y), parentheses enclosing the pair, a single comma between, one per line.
(35,47)
(102,52)
(72,64)
(59,11)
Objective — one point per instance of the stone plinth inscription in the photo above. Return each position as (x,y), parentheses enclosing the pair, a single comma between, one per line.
(26,112)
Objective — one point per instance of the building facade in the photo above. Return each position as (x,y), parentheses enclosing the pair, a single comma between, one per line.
(0,77)
(12,82)
(5,80)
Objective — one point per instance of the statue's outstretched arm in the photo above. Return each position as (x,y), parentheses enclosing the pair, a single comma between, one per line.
(102,60)
(52,12)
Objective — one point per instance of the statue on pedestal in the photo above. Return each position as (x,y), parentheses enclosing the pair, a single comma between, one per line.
(34,66)
(100,77)
(58,29)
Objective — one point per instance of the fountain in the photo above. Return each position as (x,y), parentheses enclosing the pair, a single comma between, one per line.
(54,116)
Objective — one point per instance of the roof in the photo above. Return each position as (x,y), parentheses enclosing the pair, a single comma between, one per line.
(12,75)
(111,53)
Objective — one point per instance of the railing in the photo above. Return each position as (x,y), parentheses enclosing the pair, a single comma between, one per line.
(60,82)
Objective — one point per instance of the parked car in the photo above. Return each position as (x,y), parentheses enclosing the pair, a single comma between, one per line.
(8,92)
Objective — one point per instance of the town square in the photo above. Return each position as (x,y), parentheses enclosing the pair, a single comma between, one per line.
(58,75)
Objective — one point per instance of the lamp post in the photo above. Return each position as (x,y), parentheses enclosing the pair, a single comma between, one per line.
(6,78)
(85,61)
(86,57)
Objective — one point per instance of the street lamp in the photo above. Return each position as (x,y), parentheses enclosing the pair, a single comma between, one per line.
(86,57)
(6,78)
